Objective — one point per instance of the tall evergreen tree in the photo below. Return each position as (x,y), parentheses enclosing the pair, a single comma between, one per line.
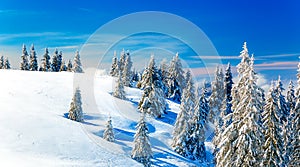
(243,138)
(182,126)
(225,118)
(114,66)
(119,91)
(191,100)
(33,64)
(75,112)
(45,64)
(217,96)
(109,133)
(273,147)
(164,72)
(54,63)
(141,151)
(196,144)
(6,63)
(2,62)
(176,81)
(127,73)
(288,127)
(70,66)
(77,67)
(59,60)
(24,62)
(294,157)
(283,108)
(122,60)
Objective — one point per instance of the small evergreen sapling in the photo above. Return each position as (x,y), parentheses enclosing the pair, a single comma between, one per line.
(69,66)
(109,133)
(75,112)
(63,66)
(6,64)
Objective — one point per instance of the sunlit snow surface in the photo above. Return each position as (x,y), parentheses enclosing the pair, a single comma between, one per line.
(35,131)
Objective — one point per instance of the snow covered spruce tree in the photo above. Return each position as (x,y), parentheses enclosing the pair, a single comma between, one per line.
(154,98)
(54,65)
(153,93)
(45,64)
(2,62)
(176,81)
(127,73)
(226,112)
(196,144)
(164,73)
(63,66)
(181,132)
(77,67)
(122,60)
(294,155)
(24,62)
(191,100)
(290,96)
(242,140)
(150,74)
(273,147)
(109,133)
(75,112)
(217,96)
(69,66)
(119,91)
(283,108)
(33,64)
(114,71)
(6,64)
(141,151)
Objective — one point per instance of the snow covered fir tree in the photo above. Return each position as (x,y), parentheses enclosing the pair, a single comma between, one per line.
(142,151)
(45,63)
(77,66)
(109,133)
(24,62)
(75,111)
(119,91)
(33,64)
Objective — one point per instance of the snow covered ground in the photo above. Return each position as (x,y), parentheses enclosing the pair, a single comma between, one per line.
(35,131)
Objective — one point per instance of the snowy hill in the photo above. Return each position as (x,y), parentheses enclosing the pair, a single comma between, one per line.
(35,131)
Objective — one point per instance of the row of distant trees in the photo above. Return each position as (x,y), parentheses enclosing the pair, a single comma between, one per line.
(29,62)
(251,129)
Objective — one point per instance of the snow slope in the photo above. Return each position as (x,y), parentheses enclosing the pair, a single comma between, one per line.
(35,131)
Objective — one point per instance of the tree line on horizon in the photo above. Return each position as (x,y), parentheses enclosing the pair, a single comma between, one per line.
(29,62)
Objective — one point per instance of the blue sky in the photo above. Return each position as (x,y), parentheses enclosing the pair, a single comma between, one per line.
(272,29)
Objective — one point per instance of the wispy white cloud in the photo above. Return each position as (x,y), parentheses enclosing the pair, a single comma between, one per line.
(280,55)
(213,57)
(277,65)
